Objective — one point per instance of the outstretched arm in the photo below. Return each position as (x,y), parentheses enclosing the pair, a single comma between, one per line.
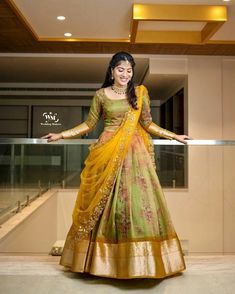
(154,129)
(76,131)
(158,131)
(83,128)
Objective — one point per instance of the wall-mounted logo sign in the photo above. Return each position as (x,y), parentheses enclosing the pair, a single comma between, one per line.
(50,119)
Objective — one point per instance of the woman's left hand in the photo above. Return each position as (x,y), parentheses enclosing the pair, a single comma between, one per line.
(182,138)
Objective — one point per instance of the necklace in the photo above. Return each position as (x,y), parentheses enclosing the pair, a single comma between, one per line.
(119,90)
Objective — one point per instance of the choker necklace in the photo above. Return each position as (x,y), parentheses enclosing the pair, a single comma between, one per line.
(119,90)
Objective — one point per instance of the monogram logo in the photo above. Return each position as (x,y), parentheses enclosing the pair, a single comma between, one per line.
(50,119)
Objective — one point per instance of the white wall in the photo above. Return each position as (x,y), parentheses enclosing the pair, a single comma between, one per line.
(204,213)
(42,228)
(228,92)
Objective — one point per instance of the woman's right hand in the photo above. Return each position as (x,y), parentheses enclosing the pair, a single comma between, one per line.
(52,137)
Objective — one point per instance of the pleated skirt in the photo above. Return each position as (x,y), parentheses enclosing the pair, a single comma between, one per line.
(135,236)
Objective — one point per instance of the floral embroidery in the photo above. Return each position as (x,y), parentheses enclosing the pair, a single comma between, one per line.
(142,182)
(124,224)
(124,195)
(147,213)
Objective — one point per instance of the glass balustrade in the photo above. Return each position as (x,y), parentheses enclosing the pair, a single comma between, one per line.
(29,167)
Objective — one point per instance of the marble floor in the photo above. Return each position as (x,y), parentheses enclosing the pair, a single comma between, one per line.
(43,274)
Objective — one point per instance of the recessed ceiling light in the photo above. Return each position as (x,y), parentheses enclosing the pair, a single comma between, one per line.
(67,34)
(226,0)
(61,17)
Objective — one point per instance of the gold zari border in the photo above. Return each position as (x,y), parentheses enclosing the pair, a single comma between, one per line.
(144,259)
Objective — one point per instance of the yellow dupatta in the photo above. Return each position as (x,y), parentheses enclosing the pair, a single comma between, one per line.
(100,171)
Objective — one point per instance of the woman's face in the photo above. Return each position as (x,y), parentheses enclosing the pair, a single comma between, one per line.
(122,73)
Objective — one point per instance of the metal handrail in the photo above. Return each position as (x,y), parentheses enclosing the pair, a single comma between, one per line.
(30,141)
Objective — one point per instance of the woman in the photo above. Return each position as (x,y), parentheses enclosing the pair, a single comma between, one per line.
(121,225)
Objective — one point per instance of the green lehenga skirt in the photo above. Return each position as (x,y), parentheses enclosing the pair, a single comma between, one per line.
(134,237)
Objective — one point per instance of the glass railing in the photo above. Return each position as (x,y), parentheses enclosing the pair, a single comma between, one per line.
(29,167)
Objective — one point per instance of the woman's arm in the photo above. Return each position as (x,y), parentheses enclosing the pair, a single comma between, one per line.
(79,130)
(158,131)
(154,129)
(83,128)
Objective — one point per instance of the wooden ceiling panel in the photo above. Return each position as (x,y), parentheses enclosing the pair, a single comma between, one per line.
(15,37)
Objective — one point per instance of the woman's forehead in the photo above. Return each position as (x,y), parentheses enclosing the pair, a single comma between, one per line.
(124,64)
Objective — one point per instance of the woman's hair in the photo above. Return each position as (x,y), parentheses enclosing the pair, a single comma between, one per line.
(115,61)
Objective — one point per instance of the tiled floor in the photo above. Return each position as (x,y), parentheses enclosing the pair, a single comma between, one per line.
(42,274)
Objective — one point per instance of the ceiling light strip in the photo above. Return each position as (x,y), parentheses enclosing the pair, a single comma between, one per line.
(213,16)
